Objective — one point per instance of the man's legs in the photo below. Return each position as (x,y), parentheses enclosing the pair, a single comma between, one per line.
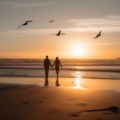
(46,72)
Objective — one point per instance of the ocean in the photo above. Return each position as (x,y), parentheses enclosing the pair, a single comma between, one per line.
(72,68)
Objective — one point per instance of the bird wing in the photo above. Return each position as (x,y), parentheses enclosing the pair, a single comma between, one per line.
(20,26)
(95,37)
(29,21)
(51,20)
(99,33)
(59,32)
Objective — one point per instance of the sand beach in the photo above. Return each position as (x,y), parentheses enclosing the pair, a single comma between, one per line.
(64,99)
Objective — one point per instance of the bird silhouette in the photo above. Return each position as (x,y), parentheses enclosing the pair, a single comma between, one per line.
(51,21)
(59,33)
(98,35)
(25,23)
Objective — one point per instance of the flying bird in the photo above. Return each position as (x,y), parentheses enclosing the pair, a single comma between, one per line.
(59,33)
(98,35)
(25,23)
(51,21)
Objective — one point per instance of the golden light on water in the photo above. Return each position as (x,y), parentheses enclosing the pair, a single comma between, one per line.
(78,83)
(78,80)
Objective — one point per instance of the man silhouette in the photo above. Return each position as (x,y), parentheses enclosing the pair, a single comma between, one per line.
(46,66)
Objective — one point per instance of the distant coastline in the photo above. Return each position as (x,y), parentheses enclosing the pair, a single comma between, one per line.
(117,58)
(65,62)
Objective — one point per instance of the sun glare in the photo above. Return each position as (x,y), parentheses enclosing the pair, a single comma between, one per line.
(78,50)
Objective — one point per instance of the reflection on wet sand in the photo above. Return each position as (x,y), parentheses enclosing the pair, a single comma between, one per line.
(78,80)
(77,83)
(46,82)
(57,82)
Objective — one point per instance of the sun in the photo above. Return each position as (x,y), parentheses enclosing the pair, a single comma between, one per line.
(78,50)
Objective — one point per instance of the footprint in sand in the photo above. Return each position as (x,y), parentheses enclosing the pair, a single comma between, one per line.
(98,119)
(71,99)
(74,115)
(109,113)
(81,104)
(26,102)
(54,112)
(40,101)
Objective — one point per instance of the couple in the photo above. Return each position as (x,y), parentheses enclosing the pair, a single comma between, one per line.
(47,63)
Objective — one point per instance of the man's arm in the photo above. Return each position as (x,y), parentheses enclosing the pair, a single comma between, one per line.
(60,64)
(53,64)
(44,63)
(50,63)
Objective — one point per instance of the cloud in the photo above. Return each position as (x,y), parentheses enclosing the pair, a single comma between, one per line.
(109,43)
(29,32)
(107,24)
(94,44)
(24,5)
(37,4)
(33,32)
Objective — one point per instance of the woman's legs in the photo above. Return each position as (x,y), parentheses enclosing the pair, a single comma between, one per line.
(57,72)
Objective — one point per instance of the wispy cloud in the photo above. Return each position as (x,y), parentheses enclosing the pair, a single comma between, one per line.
(107,24)
(95,44)
(32,32)
(109,43)
(23,5)
(37,4)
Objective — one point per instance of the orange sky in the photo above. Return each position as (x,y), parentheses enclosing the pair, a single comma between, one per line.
(80,20)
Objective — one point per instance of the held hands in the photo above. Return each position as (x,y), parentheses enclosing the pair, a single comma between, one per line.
(52,65)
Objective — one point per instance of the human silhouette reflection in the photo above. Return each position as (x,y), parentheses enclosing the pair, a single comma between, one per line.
(57,63)
(57,82)
(46,81)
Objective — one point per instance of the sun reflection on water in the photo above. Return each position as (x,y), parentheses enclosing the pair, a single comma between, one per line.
(78,83)
(78,80)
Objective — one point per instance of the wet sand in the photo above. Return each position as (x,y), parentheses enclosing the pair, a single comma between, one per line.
(65,99)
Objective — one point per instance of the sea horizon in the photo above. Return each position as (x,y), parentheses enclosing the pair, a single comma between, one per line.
(72,68)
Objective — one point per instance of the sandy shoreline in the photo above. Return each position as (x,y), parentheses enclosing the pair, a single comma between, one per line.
(65,102)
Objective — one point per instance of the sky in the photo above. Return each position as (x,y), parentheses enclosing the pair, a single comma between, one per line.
(81,20)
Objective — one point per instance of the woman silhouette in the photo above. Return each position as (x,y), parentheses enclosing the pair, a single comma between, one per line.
(57,63)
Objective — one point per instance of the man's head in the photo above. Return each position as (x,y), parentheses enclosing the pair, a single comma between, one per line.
(46,57)
(56,58)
